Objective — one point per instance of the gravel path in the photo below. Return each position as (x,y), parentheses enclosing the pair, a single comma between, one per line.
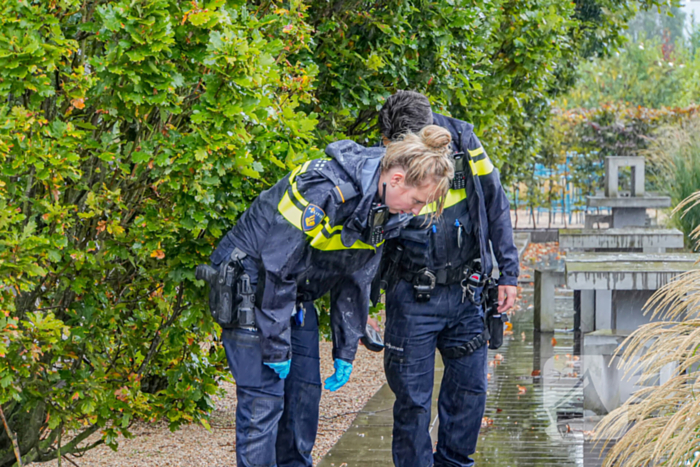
(194,446)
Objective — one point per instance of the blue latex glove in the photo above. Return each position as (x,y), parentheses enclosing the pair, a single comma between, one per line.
(281,368)
(341,375)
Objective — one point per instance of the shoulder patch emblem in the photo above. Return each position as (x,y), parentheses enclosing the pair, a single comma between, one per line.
(313,215)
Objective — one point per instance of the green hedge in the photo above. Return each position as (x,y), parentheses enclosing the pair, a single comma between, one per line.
(134,133)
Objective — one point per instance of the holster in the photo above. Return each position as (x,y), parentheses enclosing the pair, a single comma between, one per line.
(231,295)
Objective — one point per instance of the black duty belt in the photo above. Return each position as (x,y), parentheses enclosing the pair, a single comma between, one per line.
(441,276)
(425,280)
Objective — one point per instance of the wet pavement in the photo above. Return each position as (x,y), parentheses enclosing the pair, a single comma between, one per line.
(534,414)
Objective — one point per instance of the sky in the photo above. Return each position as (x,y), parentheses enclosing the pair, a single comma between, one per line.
(692,6)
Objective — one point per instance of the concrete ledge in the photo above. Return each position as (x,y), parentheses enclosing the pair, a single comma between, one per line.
(593,219)
(540,235)
(619,239)
(648,201)
(626,271)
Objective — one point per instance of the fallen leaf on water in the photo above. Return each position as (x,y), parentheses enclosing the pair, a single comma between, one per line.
(522,336)
(486,422)
(498,357)
(536,372)
(521,389)
(554,341)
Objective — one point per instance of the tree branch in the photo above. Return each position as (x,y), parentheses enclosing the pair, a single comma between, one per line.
(166,324)
(13,436)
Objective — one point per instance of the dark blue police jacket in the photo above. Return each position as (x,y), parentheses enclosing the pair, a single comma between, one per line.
(308,234)
(471,218)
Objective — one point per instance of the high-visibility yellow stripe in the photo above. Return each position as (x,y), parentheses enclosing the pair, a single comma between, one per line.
(294,216)
(330,241)
(293,183)
(453,197)
(480,167)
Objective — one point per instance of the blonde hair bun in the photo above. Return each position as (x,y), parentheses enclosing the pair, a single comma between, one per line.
(435,137)
(425,157)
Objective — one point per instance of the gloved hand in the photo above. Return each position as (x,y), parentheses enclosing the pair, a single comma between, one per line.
(281,368)
(341,375)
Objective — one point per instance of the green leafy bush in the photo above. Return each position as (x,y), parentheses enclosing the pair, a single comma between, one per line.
(676,155)
(134,133)
(132,136)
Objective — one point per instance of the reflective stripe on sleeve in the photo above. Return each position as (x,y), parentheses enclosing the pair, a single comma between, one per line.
(323,236)
(480,162)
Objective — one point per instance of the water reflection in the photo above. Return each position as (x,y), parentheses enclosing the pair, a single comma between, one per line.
(534,414)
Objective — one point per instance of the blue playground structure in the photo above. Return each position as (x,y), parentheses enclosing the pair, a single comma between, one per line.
(558,194)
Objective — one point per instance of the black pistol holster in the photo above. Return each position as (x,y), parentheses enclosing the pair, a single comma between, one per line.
(231,294)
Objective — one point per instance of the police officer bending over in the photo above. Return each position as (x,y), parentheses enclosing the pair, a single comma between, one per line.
(321,228)
(435,274)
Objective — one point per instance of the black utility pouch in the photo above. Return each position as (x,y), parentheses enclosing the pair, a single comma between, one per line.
(495,321)
(246,299)
(496,324)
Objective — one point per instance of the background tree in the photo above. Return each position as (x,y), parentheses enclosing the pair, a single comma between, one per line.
(495,63)
(133,134)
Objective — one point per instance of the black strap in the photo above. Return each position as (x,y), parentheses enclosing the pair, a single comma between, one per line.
(469,347)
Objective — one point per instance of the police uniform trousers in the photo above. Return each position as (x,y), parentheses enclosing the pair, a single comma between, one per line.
(276,419)
(413,333)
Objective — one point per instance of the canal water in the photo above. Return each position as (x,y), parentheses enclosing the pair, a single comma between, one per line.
(534,415)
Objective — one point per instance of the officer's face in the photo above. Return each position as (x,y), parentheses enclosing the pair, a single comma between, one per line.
(402,198)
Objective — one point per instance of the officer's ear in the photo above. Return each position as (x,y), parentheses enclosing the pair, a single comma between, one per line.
(398,178)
